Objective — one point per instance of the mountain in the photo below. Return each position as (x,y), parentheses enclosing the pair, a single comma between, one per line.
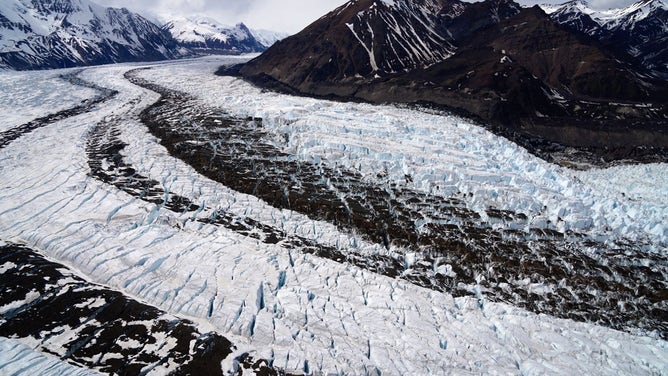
(205,34)
(639,30)
(37,34)
(267,37)
(514,68)
(350,42)
(574,14)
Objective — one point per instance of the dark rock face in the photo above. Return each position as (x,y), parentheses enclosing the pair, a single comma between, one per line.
(513,68)
(362,38)
(75,33)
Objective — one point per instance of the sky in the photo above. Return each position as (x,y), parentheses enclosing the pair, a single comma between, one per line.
(277,15)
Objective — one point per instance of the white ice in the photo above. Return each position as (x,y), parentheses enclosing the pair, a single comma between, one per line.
(17,359)
(25,96)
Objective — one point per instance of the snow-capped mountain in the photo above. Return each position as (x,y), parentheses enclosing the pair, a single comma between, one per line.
(625,18)
(574,14)
(408,28)
(37,34)
(206,34)
(268,37)
(639,30)
(365,38)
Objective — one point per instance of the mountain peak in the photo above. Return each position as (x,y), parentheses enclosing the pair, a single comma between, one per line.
(648,5)
(578,5)
(205,34)
(652,3)
(637,31)
(243,27)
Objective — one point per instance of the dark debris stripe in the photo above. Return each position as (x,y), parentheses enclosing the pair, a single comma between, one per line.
(103,149)
(108,332)
(622,287)
(104,94)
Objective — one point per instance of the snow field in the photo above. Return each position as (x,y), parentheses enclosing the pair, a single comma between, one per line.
(306,313)
(25,96)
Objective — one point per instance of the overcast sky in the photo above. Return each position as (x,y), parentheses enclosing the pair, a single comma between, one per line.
(277,15)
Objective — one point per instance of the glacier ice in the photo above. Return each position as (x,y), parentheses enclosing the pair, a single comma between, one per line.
(302,311)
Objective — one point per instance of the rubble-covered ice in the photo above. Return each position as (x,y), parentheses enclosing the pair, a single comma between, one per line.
(444,155)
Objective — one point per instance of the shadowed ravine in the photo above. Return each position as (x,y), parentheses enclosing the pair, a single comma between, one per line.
(451,249)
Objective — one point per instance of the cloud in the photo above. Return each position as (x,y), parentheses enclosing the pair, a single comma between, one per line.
(279,15)
(608,4)
(289,15)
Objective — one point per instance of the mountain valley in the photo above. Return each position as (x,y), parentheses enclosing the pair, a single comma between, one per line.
(405,187)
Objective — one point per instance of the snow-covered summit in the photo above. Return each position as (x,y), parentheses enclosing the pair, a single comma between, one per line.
(629,16)
(580,5)
(268,37)
(201,28)
(205,33)
(57,33)
(639,30)
(609,18)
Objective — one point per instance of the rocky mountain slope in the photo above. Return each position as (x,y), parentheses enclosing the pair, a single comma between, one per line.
(639,30)
(514,68)
(37,34)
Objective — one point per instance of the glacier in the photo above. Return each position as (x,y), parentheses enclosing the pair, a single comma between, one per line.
(27,96)
(20,359)
(302,312)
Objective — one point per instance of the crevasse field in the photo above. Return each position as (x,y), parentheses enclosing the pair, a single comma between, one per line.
(306,313)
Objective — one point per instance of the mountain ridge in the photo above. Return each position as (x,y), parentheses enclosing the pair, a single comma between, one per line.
(204,34)
(639,30)
(64,33)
